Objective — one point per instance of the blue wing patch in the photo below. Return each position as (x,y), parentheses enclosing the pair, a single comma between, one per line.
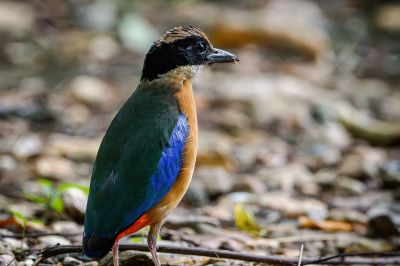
(167,169)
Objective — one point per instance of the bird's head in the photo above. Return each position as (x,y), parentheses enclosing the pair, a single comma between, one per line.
(182,51)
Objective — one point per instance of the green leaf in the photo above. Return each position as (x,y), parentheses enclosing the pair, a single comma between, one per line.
(36,199)
(47,185)
(36,221)
(244,220)
(57,204)
(62,187)
(137,240)
(19,216)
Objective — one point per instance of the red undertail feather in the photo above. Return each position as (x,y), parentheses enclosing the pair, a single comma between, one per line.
(140,223)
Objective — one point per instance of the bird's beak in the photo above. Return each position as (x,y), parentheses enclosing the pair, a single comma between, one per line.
(221,56)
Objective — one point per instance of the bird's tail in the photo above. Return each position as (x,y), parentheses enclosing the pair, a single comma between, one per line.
(96,246)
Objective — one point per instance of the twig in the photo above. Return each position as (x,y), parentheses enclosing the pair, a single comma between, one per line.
(359,255)
(341,259)
(301,254)
(11,261)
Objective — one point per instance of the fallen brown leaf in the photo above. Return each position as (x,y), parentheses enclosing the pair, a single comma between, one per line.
(327,225)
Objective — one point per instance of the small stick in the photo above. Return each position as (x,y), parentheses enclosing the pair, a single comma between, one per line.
(379,258)
(301,254)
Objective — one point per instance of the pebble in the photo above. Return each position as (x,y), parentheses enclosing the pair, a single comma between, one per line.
(319,154)
(55,167)
(250,184)
(267,98)
(294,207)
(349,215)
(16,18)
(176,221)
(103,47)
(91,263)
(70,261)
(284,203)
(288,177)
(351,185)
(362,162)
(136,33)
(67,227)
(76,148)
(27,146)
(15,244)
(54,240)
(75,203)
(129,257)
(352,165)
(230,120)
(78,116)
(270,25)
(214,142)
(325,178)
(91,90)
(4,248)
(390,174)
(361,202)
(384,220)
(196,195)
(216,180)
(100,15)
(215,159)
(387,17)
(222,211)
(28,262)
(336,135)
(7,163)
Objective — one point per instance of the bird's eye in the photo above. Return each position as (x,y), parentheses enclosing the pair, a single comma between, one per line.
(200,48)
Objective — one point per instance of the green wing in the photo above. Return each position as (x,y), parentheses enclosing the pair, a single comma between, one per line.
(128,155)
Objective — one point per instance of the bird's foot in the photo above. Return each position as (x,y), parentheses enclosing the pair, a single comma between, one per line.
(152,242)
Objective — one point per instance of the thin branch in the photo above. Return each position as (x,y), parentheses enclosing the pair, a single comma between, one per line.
(301,254)
(11,261)
(374,258)
(393,255)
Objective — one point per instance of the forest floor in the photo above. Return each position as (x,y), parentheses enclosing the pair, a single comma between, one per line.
(299,141)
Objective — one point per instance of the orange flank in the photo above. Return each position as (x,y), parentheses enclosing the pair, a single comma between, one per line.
(140,223)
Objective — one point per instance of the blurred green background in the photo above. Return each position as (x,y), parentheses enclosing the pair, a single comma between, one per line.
(304,130)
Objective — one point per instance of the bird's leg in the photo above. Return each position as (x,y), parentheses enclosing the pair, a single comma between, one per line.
(152,242)
(115,253)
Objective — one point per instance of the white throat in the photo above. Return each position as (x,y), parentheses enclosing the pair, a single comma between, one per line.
(183,72)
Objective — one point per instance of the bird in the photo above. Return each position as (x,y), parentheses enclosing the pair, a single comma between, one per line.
(146,159)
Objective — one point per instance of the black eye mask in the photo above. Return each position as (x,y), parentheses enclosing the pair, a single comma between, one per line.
(192,50)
